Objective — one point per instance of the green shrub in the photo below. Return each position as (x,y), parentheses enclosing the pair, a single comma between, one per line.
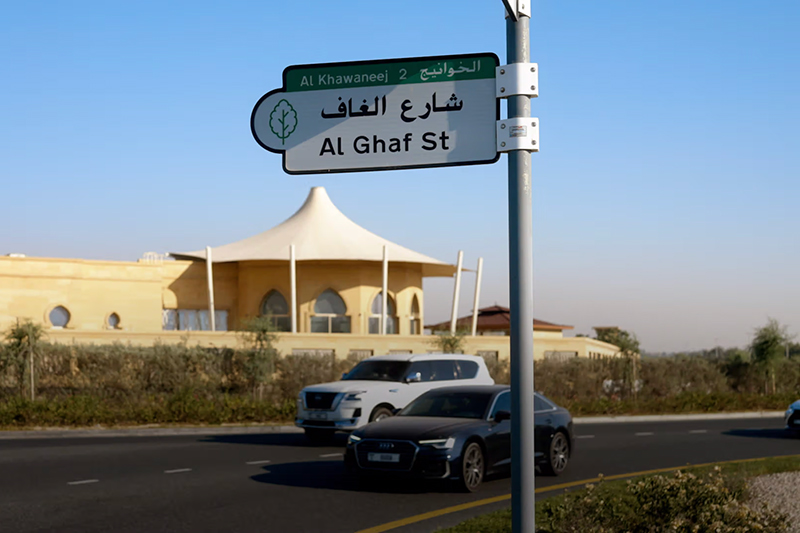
(682,503)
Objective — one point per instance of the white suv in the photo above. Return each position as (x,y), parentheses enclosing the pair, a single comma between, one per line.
(377,386)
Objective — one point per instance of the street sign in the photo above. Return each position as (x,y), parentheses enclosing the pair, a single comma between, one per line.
(382,115)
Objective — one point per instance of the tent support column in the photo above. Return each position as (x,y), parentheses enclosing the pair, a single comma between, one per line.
(477,297)
(293,286)
(210,279)
(456,290)
(385,294)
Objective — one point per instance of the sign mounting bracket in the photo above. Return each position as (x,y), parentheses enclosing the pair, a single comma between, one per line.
(518,134)
(517,79)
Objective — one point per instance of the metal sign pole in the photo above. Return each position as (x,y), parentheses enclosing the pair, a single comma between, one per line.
(520,232)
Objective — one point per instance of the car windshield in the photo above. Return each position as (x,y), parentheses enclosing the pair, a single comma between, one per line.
(449,404)
(378,371)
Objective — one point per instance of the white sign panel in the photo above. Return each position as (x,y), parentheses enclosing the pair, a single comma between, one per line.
(382,115)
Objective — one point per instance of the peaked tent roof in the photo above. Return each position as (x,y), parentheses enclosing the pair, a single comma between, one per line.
(496,318)
(319,232)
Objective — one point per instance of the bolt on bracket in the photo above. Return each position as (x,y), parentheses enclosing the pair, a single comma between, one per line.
(517,79)
(518,134)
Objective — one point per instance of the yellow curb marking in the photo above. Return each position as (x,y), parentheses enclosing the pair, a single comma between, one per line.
(464,506)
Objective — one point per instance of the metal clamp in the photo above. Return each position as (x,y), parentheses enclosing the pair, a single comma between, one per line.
(517,8)
(517,79)
(518,134)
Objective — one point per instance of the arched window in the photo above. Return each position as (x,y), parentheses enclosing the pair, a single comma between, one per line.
(416,322)
(375,315)
(113,321)
(59,317)
(330,314)
(274,305)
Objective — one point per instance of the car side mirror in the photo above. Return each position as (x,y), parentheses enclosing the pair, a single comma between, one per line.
(416,377)
(344,375)
(395,411)
(499,416)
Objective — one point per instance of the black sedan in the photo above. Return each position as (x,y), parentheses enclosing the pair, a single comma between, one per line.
(458,433)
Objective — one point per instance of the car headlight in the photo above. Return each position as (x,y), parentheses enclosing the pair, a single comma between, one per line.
(439,444)
(352,439)
(353,396)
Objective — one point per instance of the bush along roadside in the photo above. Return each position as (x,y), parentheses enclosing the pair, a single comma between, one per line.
(713,498)
(76,384)
(183,407)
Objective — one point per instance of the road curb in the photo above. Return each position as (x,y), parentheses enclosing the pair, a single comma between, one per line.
(57,433)
(674,418)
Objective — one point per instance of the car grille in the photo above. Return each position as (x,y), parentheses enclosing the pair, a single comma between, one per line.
(320,400)
(405,449)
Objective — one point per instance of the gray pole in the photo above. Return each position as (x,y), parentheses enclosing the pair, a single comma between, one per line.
(520,233)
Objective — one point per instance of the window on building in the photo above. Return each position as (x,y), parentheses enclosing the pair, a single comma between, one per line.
(59,317)
(274,305)
(318,352)
(330,314)
(113,321)
(375,315)
(193,320)
(559,356)
(416,323)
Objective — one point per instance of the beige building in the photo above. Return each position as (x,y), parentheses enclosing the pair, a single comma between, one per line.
(320,276)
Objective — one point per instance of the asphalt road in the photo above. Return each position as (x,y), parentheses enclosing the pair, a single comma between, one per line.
(281,483)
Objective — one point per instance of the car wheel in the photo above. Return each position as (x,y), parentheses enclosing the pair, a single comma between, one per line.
(319,435)
(472,467)
(380,413)
(558,457)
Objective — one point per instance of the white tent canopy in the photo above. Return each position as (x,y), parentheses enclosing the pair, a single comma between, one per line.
(319,232)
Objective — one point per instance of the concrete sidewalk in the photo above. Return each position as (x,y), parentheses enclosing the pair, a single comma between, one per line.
(149,431)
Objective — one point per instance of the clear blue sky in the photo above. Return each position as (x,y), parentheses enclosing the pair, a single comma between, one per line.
(666,194)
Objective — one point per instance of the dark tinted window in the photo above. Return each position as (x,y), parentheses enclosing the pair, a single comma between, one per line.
(466,369)
(540,404)
(503,403)
(449,404)
(443,370)
(379,371)
(425,368)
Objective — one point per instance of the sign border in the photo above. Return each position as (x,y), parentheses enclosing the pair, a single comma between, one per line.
(371,62)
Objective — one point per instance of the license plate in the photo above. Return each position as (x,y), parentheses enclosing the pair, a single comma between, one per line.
(318,416)
(384,457)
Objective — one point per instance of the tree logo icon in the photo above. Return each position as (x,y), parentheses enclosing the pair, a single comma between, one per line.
(283,120)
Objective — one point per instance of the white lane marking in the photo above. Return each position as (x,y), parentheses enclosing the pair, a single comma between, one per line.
(332,455)
(177,471)
(644,434)
(699,431)
(257,462)
(83,482)
(585,436)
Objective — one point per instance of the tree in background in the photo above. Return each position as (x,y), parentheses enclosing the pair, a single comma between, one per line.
(450,343)
(19,352)
(629,348)
(768,347)
(259,365)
